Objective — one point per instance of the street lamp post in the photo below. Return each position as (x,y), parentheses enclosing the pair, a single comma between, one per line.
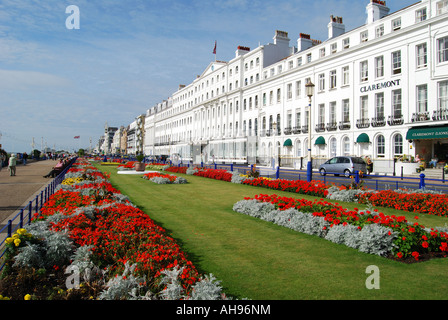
(309,92)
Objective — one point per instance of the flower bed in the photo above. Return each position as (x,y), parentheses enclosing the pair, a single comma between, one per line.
(313,188)
(367,231)
(161,178)
(435,204)
(92,227)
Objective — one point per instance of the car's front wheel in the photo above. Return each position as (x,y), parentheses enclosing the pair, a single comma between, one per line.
(323,172)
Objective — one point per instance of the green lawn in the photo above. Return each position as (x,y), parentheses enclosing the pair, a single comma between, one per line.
(258,260)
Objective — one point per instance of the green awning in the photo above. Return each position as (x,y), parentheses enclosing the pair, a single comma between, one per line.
(363,138)
(320,141)
(288,143)
(427,133)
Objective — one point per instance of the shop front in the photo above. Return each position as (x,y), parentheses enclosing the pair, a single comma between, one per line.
(430,142)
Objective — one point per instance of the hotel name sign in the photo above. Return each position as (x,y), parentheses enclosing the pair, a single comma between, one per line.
(381,85)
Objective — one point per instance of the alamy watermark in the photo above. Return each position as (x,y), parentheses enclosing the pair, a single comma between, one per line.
(373,280)
(73,21)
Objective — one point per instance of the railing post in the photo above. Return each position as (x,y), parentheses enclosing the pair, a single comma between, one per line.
(9,228)
(277,173)
(357,177)
(21,218)
(422,181)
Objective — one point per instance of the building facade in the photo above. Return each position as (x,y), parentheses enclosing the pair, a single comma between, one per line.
(381,90)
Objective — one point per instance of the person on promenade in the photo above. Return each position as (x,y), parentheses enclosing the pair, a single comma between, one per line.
(12,165)
(369,166)
(2,159)
(24,157)
(56,169)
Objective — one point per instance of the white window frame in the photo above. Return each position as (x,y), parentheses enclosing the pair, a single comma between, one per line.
(442,7)
(397,110)
(345,76)
(396,24)
(442,95)
(379,31)
(396,62)
(420,15)
(421,54)
(364,36)
(379,67)
(422,98)
(321,82)
(364,71)
(442,49)
(333,79)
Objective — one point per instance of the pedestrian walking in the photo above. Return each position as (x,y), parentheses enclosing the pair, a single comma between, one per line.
(25,158)
(2,160)
(12,165)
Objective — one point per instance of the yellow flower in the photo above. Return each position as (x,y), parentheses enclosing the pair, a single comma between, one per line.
(17,242)
(9,240)
(21,231)
(27,297)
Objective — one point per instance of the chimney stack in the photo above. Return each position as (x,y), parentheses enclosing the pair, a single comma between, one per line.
(335,27)
(376,10)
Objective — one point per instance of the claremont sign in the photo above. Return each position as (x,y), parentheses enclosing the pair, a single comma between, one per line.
(379,86)
(427,133)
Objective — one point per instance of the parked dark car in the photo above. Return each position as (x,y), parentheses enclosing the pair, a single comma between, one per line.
(343,165)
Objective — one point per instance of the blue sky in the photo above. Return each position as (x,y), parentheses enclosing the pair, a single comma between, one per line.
(128,55)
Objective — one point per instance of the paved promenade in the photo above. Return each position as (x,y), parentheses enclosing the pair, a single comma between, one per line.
(17,191)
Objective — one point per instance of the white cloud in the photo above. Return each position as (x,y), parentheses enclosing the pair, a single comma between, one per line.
(23,80)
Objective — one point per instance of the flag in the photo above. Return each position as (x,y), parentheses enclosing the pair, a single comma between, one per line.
(77,137)
(214,50)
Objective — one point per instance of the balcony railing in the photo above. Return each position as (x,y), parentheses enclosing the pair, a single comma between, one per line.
(320,127)
(297,130)
(287,131)
(332,126)
(441,114)
(362,123)
(395,120)
(420,116)
(344,125)
(305,129)
(378,122)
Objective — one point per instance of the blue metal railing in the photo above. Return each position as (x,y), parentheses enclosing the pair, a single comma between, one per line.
(26,213)
(375,182)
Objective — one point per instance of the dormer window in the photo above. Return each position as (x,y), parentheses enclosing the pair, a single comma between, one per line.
(396,24)
(346,43)
(364,36)
(420,15)
(379,31)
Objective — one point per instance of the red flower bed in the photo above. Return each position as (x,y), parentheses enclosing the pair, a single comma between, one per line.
(119,233)
(124,233)
(314,188)
(161,175)
(218,174)
(436,204)
(177,169)
(412,240)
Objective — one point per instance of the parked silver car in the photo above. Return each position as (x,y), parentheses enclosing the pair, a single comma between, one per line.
(343,165)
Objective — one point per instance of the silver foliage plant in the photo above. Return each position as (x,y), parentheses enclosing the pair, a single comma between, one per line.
(372,238)
(129,287)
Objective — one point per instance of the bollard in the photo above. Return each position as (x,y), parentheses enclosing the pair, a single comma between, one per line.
(277,174)
(357,177)
(422,181)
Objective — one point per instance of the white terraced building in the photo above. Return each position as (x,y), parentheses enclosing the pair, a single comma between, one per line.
(381,90)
